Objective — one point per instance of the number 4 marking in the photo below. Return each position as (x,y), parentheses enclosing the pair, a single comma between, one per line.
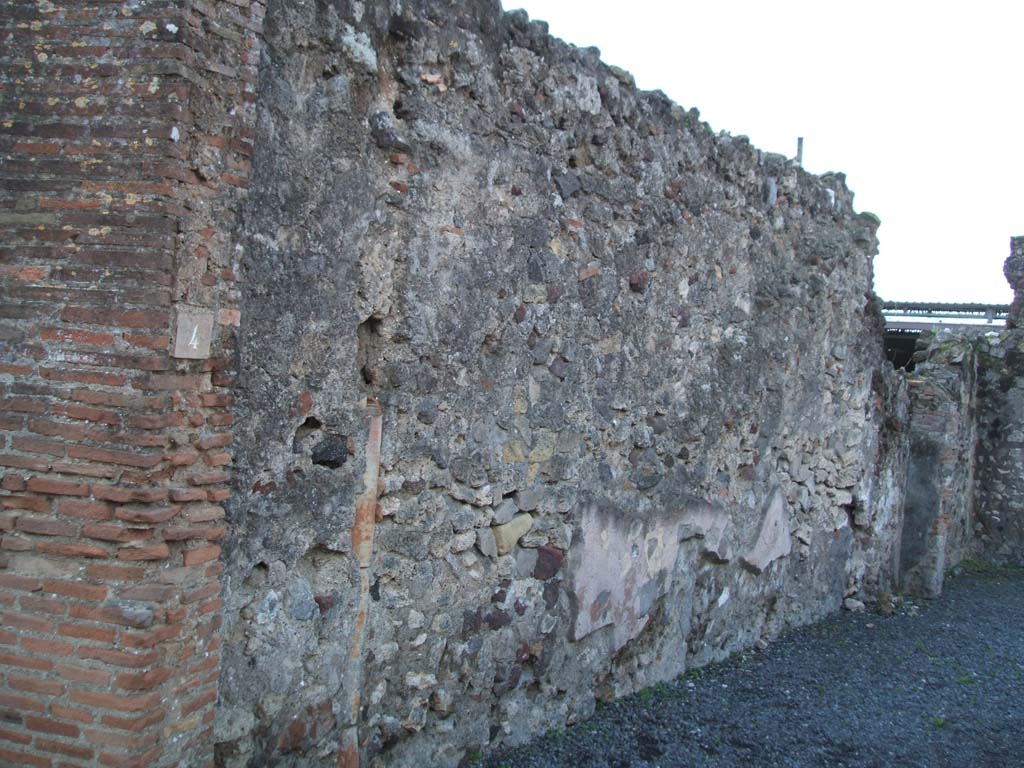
(193,342)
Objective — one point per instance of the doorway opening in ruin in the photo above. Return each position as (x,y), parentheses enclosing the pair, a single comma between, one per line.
(899,347)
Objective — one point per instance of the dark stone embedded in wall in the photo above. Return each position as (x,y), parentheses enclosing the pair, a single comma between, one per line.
(633,408)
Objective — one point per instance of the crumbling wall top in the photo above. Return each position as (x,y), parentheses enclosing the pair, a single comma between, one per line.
(1013,268)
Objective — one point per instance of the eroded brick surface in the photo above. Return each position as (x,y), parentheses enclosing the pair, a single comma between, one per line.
(122,159)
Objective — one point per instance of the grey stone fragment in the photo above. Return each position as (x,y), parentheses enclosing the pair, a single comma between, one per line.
(505,511)
(462,517)
(300,604)
(427,411)
(526,562)
(528,500)
(232,723)
(417,717)
(420,680)
(442,702)
(137,614)
(469,471)
(268,607)
(478,497)
(278,573)
(568,184)
(463,541)
(359,48)
(486,542)
(542,351)
(383,133)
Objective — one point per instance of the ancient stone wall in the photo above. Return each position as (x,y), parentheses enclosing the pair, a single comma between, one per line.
(547,392)
(999,492)
(965,486)
(1013,269)
(124,147)
(938,524)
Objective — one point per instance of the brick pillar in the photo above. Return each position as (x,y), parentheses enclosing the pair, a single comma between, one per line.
(124,153)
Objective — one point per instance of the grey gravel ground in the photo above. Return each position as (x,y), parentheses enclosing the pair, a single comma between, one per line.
(938,686)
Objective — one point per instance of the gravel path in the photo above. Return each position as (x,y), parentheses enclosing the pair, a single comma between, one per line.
(936,686)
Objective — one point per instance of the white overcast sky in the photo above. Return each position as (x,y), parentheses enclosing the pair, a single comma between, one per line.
(920,104)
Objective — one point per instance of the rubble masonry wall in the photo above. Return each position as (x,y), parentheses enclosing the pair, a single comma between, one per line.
(493,387)
(546,391)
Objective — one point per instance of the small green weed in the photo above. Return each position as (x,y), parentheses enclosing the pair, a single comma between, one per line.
(920,646)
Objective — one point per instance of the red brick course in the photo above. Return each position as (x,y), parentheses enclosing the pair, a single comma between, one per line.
(114,455)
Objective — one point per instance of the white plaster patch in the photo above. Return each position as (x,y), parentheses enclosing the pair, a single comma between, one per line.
(709,523)
(359,47)
(587,95)
(621,567)
(773,539)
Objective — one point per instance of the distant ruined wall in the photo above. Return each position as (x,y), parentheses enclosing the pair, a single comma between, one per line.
(547,392)
(965,485)
(1013,269)
(938,524)
(999,494)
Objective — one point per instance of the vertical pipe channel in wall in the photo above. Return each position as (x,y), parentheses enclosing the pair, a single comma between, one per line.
(362,551)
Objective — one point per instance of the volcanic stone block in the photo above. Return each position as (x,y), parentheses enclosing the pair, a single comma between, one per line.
(506,536)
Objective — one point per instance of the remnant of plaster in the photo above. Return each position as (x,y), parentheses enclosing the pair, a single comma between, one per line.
(773,539)
(709,523)
(621,566)
(359,47)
